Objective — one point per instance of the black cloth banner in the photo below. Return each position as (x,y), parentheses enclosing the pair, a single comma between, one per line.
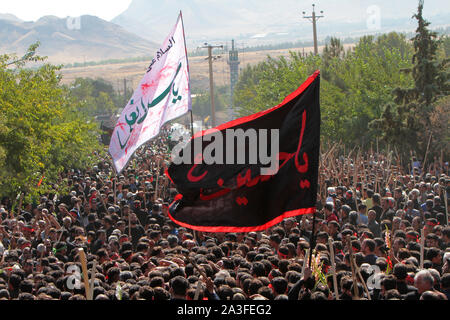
(236,197)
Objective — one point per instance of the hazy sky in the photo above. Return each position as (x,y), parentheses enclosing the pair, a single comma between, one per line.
(31,10)
(342,10)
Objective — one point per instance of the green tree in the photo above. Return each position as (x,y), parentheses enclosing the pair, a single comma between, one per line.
(334,49)
(354,86)
(201,103)
(367,77)
(99,96)
(407,122)
(43,128)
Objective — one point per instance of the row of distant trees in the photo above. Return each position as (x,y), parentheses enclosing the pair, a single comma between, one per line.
(388,89)
(264,47)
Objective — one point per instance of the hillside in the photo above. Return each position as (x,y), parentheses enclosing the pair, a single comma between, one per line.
(89,38)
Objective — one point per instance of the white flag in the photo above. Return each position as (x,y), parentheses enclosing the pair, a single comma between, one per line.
(163,94)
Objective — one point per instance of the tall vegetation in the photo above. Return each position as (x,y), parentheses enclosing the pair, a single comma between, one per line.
(99,96)
(386,88)
(44,129)
(355,85)
(408,122)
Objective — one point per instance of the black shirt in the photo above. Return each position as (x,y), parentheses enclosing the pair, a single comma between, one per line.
(137,231)
(413,295)
(404,289)
(375,228)
(142,215)
(295,290)
(379,211)
(388,215)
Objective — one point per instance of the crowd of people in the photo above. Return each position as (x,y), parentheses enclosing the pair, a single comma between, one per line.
(387,227)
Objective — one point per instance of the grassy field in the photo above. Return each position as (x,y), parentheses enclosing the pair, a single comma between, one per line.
(134,71)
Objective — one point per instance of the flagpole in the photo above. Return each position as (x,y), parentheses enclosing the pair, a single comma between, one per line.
(189,73)
(192,124)
(190,110)
(313,238)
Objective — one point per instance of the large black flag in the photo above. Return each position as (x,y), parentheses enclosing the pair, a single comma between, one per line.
(237,197)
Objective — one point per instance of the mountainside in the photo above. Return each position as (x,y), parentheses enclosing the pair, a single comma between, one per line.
(209,20)
(87,39)
(10,17)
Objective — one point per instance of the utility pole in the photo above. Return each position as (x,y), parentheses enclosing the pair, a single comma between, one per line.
(234,62)
(313,19)
(211,81)
(126,83)
(125,90)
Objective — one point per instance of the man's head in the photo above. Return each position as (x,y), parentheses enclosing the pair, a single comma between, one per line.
(108,223)
(429,225)
(333,227)
(397,193)
(349,194)
(429,204)
(371,215)
(376,199)
(275,239)
(385,203)
(328,209)
(446,234)
(423,281)
(389,282)
(445,281)
(101,234)
(289,224)
(368,246)
(416,224)
(434,255)
(400,271)
(432,240)
(410,204)
(178,287)
(133,219)
(362,208)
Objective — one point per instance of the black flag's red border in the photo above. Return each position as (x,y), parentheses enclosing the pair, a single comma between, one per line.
(262,227)
(237,122)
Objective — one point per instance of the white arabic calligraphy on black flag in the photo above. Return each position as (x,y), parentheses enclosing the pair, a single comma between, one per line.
(163,95)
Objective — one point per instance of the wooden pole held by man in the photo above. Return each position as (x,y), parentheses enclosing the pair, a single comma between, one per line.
(83,262)
(352,264)
(422,247)
(333,268)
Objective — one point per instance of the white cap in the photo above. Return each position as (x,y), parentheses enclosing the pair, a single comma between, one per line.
(113,238)
(447,256)
(41,248)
